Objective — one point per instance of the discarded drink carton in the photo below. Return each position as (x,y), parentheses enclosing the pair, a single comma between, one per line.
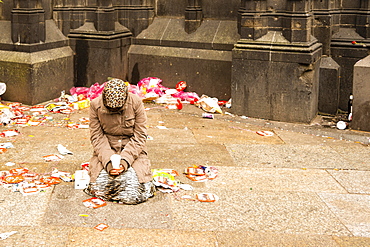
(82,179)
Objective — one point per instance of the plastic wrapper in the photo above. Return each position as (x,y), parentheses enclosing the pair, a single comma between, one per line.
(265,133)
(181,86)
(196,178)
(13,179)
(6,235)
(169,171)
(208,115)
(209,104)
(19,171)
(207,197)
(151,85)
(90,93)
(63,150)
(9,133)
(94,202)
(186,187)
(195,171)
(65,176)
(6,114)
(165,182)
(166,99)
(27,190)
(50,180)
(85,166)
(56,106)
(27,182)
(52,157)
(82,104)
(2,88)
(186,96)
(101,227)
(201,173)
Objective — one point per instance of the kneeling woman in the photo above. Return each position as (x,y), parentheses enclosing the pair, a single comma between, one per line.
(119,169)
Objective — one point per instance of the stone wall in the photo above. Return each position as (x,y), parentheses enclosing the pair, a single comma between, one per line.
(219,47)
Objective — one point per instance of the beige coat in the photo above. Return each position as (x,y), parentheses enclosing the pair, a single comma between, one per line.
(123,133)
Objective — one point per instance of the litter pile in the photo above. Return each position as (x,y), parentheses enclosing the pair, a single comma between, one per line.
(27,182)
(201,173)
(150,89)
(17,114)
(165,181)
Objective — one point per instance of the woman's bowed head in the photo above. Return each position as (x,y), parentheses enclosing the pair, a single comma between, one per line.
(115,94)
(119,168)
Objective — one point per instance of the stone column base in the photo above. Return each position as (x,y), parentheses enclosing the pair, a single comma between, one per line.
(36,77)
(99,54)
(361,99)
(275,79)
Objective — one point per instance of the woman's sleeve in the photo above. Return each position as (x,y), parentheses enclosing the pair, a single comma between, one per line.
(137,142)
(98,139)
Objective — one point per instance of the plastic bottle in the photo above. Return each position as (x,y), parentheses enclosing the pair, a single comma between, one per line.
(350,102)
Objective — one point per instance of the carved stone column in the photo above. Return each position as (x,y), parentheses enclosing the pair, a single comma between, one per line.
(193,15)
(363,20)
(275,69)
(28,22)
(326,22)
(104,16)
(101,46)
(136,15)
(252,23)
(298,21)
(36,62)
(361,100)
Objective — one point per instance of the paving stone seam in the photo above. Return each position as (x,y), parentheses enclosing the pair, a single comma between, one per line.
(331,175)
(334,214)
(349,135)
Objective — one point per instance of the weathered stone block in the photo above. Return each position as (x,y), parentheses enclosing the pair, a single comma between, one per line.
(205,71)
(329,86)
(361,99)
(36,77)
(99,55)
(276,82)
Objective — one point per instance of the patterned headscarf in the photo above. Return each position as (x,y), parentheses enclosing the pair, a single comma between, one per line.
(115,93)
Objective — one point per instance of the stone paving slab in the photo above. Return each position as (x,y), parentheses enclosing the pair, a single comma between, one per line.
(276,179)
(189,155)
(271,239)
(170,136)
(235,136)
(35,142)
(196,121)
(19,210)
(290,137)
(357,154)
(289,156)
(352,241)
(36,236)
(65,208)
(264,211)
(353,181)
(140,237)
(352,210)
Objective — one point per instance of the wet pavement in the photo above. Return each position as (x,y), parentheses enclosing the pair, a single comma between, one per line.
(307,185)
